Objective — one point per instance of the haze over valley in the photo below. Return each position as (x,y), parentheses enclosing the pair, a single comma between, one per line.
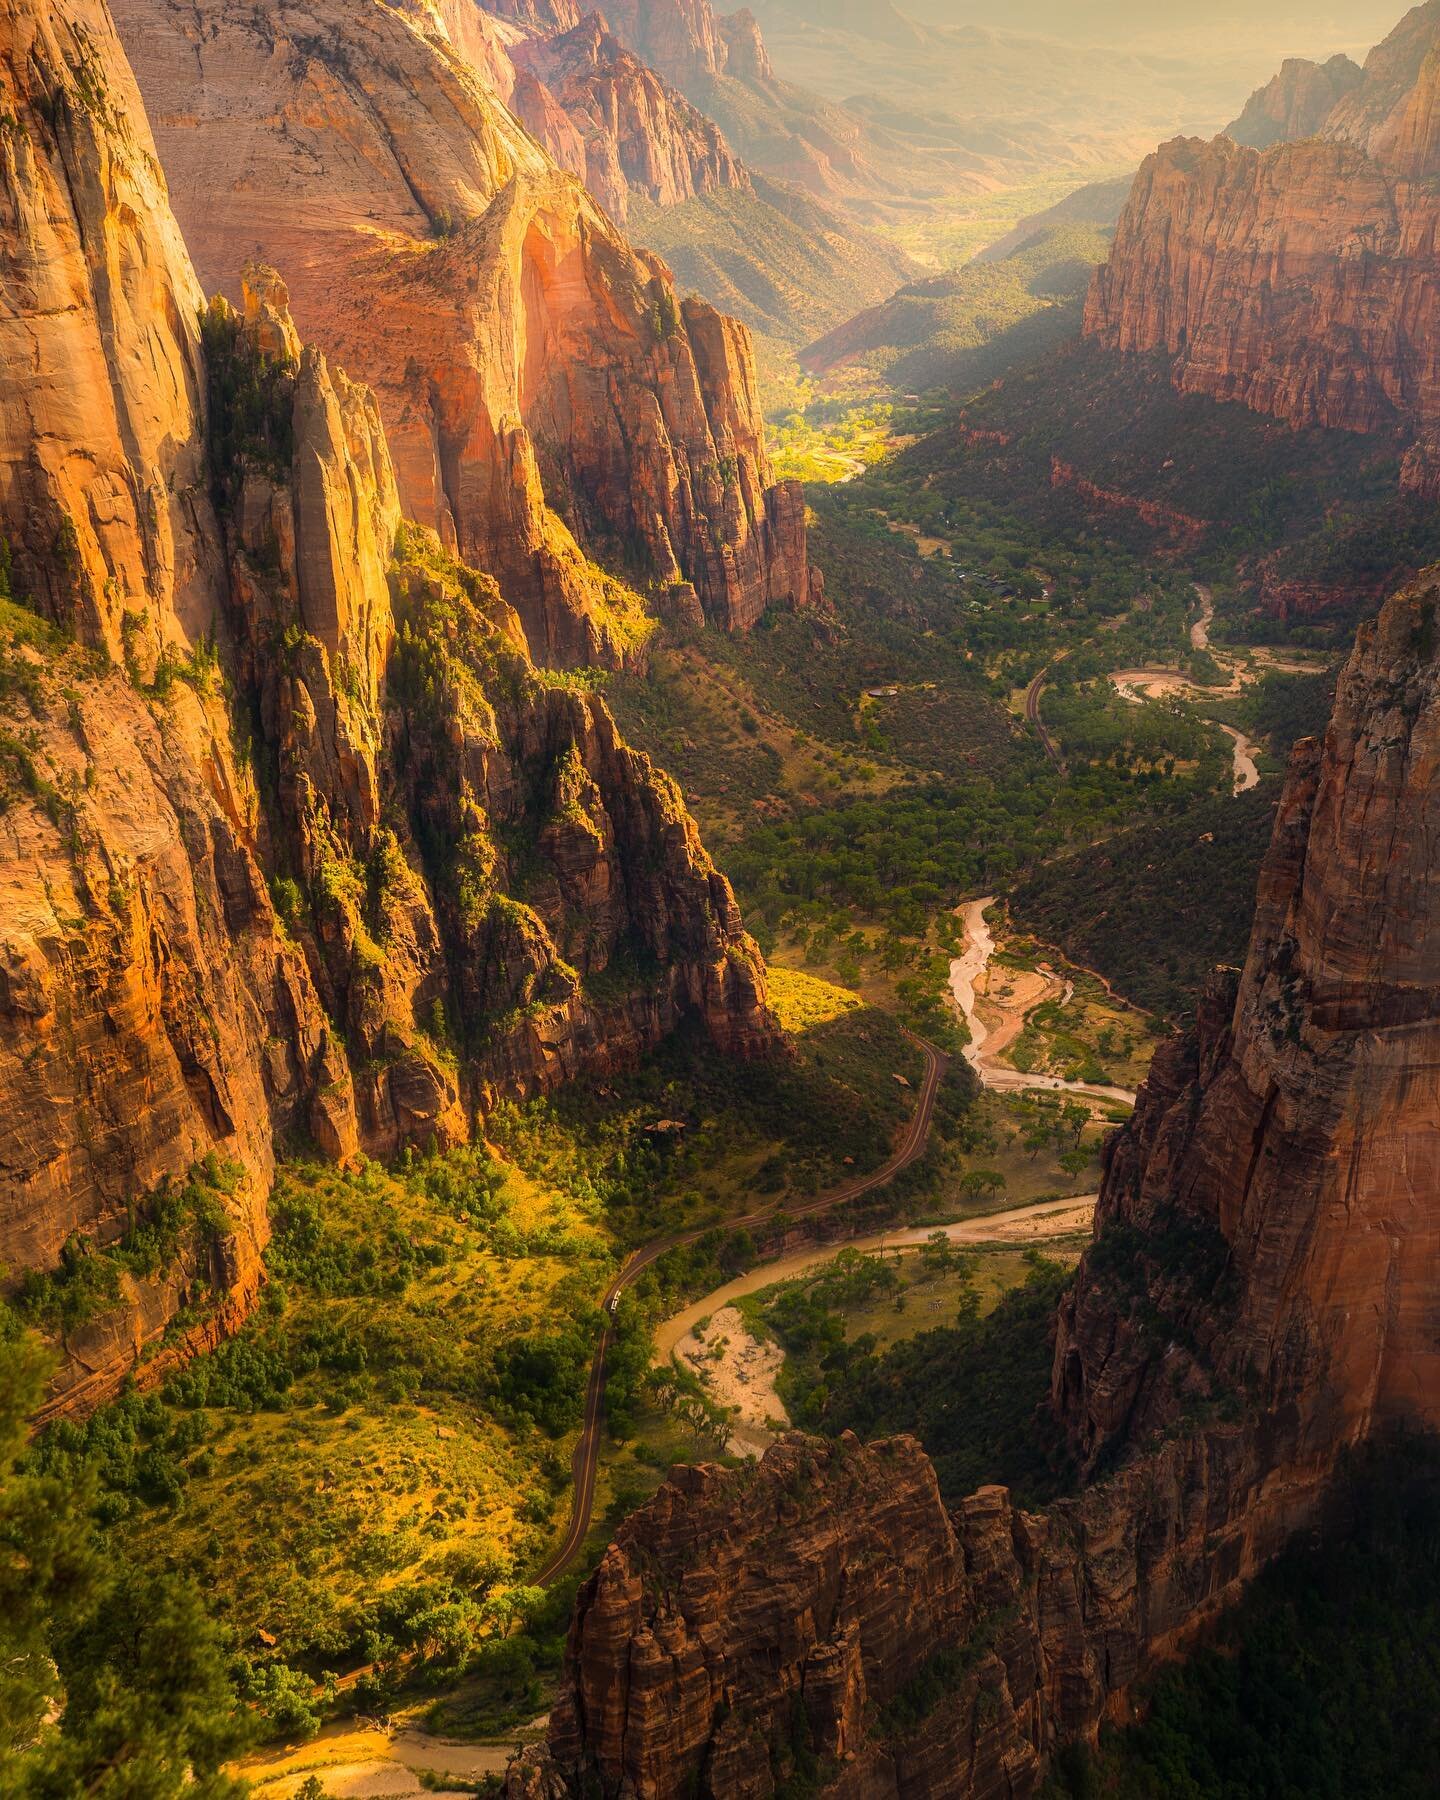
(718,977)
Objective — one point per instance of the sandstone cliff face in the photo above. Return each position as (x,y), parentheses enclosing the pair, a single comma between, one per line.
(259,844)
(1296,103)
(541,385)
(101,480)
(633,130)
(679,38)
(1261,1295)
(1301,279)
(821,1616)
(1301,1133)
(720,64)
(150,1012)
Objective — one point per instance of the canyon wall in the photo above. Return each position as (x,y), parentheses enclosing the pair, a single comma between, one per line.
(272,763)
(605,116)
(1299,279)
(1261,1296)
(719,62)
(545,392)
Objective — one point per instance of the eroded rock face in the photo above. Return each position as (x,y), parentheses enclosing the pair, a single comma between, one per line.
(1300,279)
(1296,103)
(822,1611)
(616,124)
(1261,1297)
(541,385)
(679,38)
(102,490)
(719,62)
(268,755)
(1300,1136)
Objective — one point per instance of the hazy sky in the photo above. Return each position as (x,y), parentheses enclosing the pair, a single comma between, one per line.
(1152,23)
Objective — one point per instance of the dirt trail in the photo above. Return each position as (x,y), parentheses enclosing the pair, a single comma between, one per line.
(982,1053)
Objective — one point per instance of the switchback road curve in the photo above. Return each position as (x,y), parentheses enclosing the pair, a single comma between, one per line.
(586,1461)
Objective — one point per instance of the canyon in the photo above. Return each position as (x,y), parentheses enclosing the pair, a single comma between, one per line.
(1258,1301)
(273,761)
(376,518)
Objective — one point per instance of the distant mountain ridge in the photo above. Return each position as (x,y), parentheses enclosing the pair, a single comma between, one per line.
(1300,279)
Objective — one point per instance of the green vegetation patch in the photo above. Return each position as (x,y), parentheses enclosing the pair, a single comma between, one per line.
(363,1474)
(1157,906)
(970,1391)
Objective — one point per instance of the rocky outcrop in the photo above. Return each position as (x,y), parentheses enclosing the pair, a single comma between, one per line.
(633,130)
(720,64)
(1260,1299)
(820,1617)
(1300,279)
(545,393)
(746,57)
(272,763)
(1180,528)
(1296,103)
(679,38)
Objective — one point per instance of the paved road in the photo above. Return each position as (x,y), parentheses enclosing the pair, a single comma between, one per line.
(586,1461)
(1032,713)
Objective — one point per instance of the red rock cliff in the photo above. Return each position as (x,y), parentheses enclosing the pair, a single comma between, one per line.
(1296,103)
(633,129)
(286,789)
(1261,1296)
(542,386)
(1302,279)
(1303,1132)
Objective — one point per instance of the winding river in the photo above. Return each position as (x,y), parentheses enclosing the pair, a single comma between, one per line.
(1015,1225)
(983,1051)
(1139,685)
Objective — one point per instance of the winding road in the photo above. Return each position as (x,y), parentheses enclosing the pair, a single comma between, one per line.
(1033,694)
(1040,1219)
(585,1463)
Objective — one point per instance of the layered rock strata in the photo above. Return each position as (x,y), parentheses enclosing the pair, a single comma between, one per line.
(1300,279)
(1261,1297)
(271,764)
(605,116)
(546,395)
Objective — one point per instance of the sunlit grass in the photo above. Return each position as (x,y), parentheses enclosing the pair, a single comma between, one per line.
(801,1001)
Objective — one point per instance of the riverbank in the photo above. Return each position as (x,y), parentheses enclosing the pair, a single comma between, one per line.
(375,1762)
(743,1377)
(1140,685)
(969,973)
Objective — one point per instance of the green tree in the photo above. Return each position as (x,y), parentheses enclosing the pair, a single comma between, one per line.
(113,1682)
